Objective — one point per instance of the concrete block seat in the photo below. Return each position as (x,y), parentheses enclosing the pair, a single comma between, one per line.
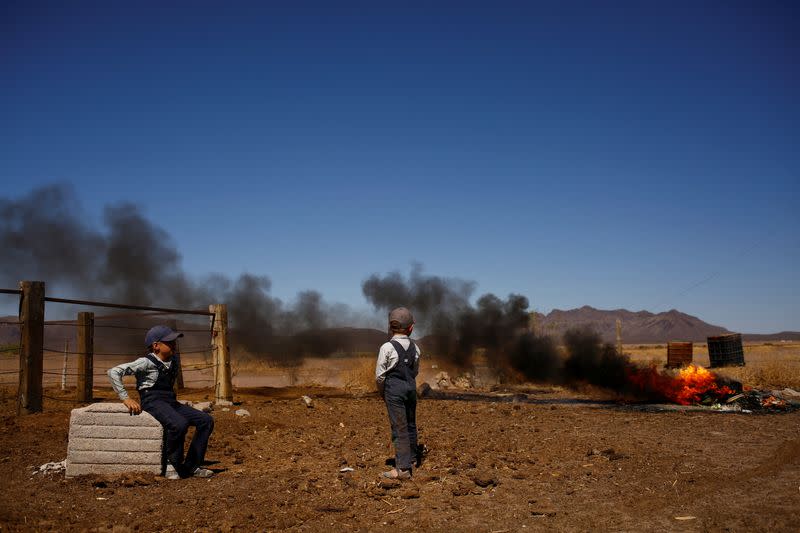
(105,439)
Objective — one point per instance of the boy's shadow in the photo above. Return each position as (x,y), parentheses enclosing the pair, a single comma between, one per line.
(208,464)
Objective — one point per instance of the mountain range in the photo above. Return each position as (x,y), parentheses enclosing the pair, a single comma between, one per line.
(641,326)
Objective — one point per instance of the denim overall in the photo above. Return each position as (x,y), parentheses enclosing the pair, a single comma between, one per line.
(400,395)
(161,402)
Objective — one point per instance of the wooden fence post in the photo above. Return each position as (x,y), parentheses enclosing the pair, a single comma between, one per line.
(31,317)
(85,356)
(64,367)
(179,381)
(619,336)
(223,388)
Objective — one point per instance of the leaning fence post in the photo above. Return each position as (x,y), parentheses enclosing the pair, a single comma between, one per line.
(619,337)
(31,317)
(223,388)
(85,356)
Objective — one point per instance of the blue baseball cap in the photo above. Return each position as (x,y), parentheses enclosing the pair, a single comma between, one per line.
(160,333)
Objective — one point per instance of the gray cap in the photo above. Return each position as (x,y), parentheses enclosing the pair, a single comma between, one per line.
(401,316)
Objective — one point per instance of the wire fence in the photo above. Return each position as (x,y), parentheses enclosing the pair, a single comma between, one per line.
(116,337)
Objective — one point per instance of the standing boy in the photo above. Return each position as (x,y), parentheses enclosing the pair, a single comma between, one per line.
(396,377)
(155,379)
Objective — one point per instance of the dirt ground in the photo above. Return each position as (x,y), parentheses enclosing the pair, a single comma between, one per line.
(555,464)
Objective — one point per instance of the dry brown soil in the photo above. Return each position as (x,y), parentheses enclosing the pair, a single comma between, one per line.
(552,465)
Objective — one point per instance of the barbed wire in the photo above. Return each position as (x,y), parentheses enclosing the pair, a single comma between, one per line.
(11,372)
(114,326)
(67,400)
(128,354)
(10,322)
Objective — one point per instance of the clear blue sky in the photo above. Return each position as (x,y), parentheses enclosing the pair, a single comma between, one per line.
(641,156)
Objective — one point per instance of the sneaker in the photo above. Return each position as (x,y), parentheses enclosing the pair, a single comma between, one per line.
(395,473)
(171,473)
(202,472)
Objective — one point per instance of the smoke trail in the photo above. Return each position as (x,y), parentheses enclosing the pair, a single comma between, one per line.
(442,306)
(44,235)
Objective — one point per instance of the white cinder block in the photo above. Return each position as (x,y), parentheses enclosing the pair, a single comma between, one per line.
(105,439)
(115,458)
(116,432)
(114,445)
(82,470)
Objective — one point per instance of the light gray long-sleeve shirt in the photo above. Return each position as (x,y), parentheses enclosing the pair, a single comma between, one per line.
(144,369)
(388,358)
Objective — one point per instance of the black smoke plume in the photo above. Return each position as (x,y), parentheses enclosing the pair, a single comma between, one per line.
(499,328)
(455,328)
(45,235)
(591,361)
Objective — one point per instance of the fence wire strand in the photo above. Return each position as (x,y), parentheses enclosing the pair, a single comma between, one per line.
(113,326)
(209,349)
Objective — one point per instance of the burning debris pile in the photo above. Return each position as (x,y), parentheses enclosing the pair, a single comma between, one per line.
(763,400)
(690,385)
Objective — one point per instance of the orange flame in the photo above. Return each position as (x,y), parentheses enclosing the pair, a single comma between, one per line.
(689,386)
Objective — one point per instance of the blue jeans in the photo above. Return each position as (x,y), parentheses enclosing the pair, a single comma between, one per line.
(401,404)
(176,419)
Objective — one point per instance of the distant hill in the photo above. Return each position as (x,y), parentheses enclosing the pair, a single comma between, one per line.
(641,326)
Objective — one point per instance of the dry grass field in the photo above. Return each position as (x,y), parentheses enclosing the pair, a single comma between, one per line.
(770,365)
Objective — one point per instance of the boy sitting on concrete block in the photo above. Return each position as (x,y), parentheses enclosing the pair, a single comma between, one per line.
(155,379)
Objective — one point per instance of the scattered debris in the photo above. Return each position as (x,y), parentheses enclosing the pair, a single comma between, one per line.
(464,382)
(242,412)
(755,400)
(685,517)
(51,468)
(308,401)
(346,469)
(772,401)
(442,381)
(734,398)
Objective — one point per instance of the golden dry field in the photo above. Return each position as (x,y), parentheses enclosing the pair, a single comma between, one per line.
(768,365)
